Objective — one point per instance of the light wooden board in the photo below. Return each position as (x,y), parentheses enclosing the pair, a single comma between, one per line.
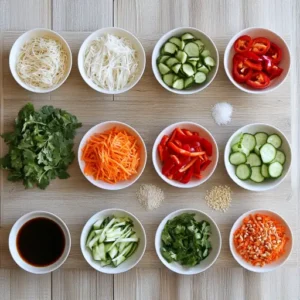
(75,199)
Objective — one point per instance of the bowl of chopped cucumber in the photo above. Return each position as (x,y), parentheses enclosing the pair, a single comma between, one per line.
(185,60)
(258,157)
(113,241)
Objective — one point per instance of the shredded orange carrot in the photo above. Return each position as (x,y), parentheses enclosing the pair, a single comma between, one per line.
(260,240)
(111,156)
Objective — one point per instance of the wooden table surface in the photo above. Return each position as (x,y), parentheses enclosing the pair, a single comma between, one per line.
(149,108)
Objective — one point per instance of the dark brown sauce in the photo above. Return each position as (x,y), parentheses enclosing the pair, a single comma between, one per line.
(40,242)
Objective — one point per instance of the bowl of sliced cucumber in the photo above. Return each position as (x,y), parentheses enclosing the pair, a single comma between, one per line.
(113,241)
(185,60)
(258,157)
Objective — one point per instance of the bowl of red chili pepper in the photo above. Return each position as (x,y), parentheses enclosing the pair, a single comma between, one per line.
(257,60)
(185,154)
(261,240)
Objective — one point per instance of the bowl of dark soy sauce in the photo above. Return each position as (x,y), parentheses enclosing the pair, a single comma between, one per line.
(39,242)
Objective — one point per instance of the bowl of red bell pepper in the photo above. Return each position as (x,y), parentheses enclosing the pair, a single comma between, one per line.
(257,60)
(185,154)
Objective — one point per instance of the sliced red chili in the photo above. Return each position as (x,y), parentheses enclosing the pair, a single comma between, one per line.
(243,43)
(178,143)
(207,147)
(161,152)
(188,175)
(175,159)
(260,45)
(187,132)
(258,80)
(253,65)
(241,72)
(187,166)
(275,71)
(164,140)
(275,53)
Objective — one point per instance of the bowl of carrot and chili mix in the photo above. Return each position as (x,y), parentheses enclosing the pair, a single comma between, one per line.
(260,240)
(185,154)
(112,155)
(257,60)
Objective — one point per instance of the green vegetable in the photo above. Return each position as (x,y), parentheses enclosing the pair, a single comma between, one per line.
(40,147)
(112,240)
(185,240)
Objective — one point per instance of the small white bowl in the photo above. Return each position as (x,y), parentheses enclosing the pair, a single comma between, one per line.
(203,132)
(209,44)
(12,242)
(255,32)
(132,260)
(120,33)
(267,184)
(17,46)
(215,239)
(99,128)
(268,267)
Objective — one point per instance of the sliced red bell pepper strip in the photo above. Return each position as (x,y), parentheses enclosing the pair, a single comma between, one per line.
(188,175)
(260,45)
(275,71)
(168,165)
(186,138)
(178,143)
(275,53)
(250,55)
(197,166)
(206,146)
(177,176)
(243,43)
(258,80)
(164,140)
(253,65)
(184,152)
(161,152)
(196,133)
(205,165)
(173,135)
(175,159)
(187,132)
(187,166)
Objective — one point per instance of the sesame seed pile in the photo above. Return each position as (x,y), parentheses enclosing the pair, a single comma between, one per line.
(150,196)
(219,198)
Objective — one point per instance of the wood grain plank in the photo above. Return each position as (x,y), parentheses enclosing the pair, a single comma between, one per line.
(25,15)
(125,285)
(168,285)
(5,284)
(148,284)
(105,286)
(26,286)
(82,15)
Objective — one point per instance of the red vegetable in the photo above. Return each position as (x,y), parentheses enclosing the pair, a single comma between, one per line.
(274,53)
(253,65)
(184,152)
(207,146)
(243,43)
(205,165)
(260,45)
(258,80)
(241,72)
(164,140)
(188,175)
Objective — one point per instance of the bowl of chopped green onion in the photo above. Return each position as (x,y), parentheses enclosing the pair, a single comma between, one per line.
(113,241)
(188,241)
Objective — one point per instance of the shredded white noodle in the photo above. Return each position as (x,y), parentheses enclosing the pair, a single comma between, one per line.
(111,62)
(42,62)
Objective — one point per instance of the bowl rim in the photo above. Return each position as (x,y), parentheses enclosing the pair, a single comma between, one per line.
(32,215)
(184,92)
(84,251)
(228,73)
(240,260)
(20,81)
(175,183)
(160,229)
(234,178)
(101,32)
(113,123)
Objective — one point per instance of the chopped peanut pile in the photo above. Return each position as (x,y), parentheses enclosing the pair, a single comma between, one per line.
(260,240)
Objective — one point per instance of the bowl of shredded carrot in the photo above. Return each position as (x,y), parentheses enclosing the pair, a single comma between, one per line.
(112,155)
(261,241)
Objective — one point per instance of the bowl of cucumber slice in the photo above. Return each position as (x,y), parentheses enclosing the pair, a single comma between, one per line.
(258,157)
(185,60)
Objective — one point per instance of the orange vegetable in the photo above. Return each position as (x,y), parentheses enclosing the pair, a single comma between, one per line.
(111,156)
(260,240)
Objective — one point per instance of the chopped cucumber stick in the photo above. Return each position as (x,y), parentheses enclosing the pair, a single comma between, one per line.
(192,50)
(253,160)
(243,172)
(261,138)
(274,140)
(275,169)
(168,79)
(280,157)
(256,175)
(237,158)
(268,153)
(265,171)
(248,142)
(163,69)
(178,84)
(200,77)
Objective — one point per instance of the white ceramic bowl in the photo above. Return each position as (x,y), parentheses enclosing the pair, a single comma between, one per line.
(101,127)
(267,184)
(268,267)
(120,33)
(132,260)
(255,32)
(209,44)
(215,239)
(17,46)
(203,132)
(12,242)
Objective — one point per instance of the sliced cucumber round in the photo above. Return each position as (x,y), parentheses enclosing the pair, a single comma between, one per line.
(192,50)
(178,84)
(243,172)
(261,138)
(170,48)
(163,69)
(168,79)
(265,171)
(209,61)
(171,61)
(248,142)
(275,169)
(176,41)
(237,158)
(188,70)
(200,77)
(280,157)
(188,82)
(274,140)
(256,175)
(253,160)
(187,36)
(267,153)
(181,56)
